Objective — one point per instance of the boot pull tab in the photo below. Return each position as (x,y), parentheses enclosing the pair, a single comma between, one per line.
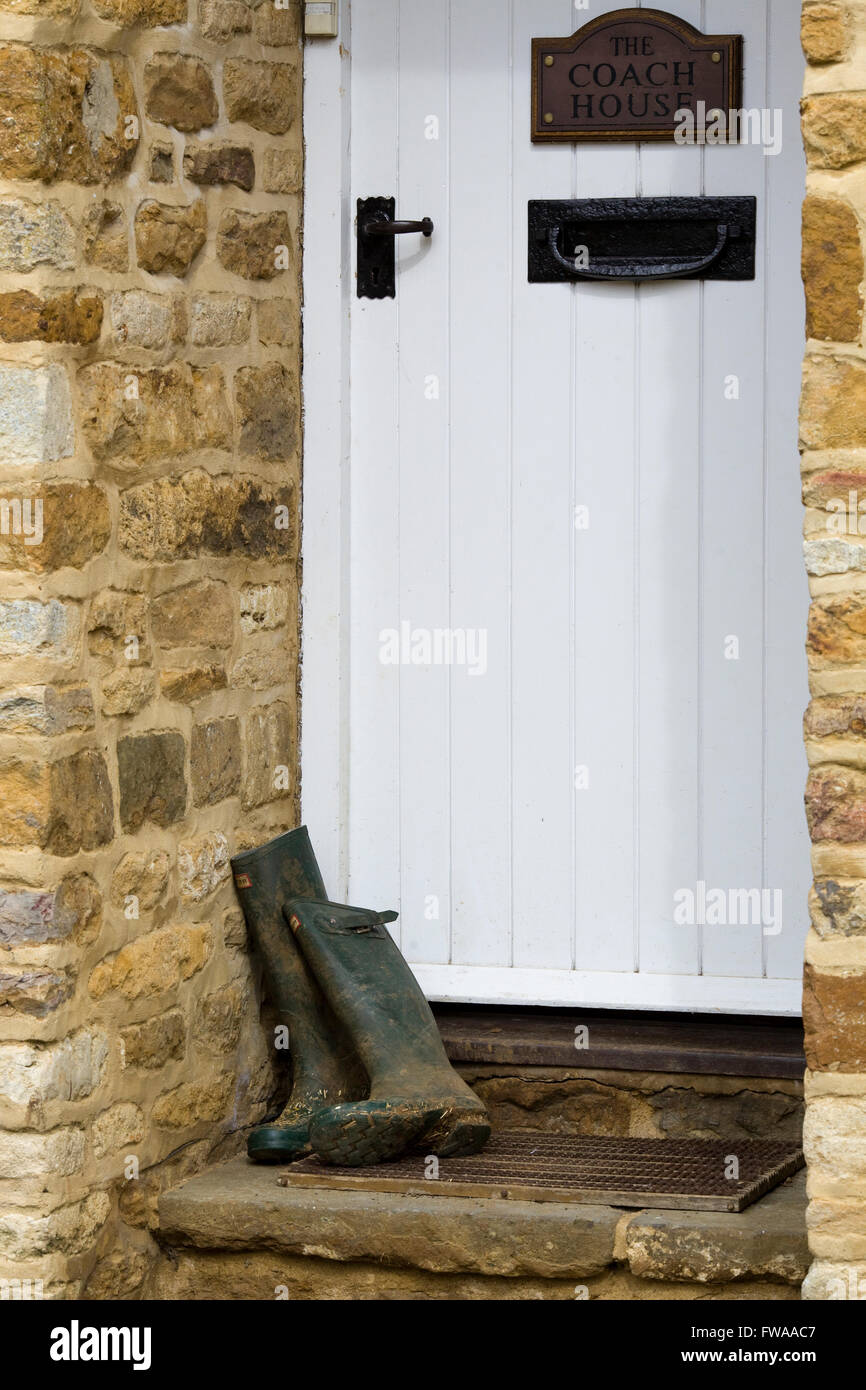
(370,924)
(338,919)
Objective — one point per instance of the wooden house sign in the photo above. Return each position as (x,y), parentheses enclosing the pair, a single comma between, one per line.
(626,75)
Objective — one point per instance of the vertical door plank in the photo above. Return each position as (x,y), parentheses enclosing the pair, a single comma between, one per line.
(374,845)
(669,428)
(732,538)
(786,594)
(541,543)
(604,430)
(480,388)
(424,600)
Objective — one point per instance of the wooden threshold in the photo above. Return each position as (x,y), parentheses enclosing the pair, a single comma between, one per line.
(696,1043)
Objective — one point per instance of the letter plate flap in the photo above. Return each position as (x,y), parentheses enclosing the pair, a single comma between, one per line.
(642,239)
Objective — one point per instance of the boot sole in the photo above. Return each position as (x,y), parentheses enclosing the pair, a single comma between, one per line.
(457,1136)
(358,1134)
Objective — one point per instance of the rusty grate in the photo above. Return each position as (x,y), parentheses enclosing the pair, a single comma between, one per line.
(688,1174)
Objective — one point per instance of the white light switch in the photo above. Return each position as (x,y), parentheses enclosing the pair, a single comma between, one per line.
(320,19)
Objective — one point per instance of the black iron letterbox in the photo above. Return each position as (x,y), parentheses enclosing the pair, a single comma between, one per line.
(642,239)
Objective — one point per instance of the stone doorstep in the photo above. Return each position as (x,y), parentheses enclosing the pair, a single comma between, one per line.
(239,1207)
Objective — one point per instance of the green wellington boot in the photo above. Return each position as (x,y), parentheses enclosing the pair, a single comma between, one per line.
(324,1065)
(416,1100)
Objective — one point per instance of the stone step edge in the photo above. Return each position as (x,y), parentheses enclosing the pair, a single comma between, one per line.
(239,1206)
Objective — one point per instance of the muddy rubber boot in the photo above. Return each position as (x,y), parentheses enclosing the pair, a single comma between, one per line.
(416,1100)
(324,1065)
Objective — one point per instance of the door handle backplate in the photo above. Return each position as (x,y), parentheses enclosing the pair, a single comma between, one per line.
(377,234)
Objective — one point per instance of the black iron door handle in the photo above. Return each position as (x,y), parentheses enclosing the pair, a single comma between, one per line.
(378,230)
(640,268)
(384,228)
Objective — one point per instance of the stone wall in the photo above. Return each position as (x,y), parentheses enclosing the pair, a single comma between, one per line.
(149,457)
(833,443)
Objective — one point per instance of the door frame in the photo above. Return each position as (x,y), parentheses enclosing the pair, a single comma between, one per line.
(325,599)
(328,286)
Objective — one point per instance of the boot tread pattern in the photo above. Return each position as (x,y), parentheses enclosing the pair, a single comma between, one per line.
(361,1137)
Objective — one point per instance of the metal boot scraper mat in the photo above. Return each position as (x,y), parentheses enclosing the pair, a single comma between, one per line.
(684,1174)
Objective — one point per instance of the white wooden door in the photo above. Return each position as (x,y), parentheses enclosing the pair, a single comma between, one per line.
(600,483)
